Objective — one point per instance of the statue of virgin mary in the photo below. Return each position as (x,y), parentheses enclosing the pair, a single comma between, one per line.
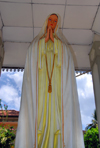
(49,113)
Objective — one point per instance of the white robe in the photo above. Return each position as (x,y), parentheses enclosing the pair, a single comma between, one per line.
(72,136)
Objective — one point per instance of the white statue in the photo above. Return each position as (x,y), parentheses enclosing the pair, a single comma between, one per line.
(49,114)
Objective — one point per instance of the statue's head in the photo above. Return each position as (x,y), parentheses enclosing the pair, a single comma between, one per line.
(52,21)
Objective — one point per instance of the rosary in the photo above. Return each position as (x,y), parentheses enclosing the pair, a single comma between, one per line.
(49,78)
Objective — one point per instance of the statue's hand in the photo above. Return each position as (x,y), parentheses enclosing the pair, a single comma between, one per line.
(48,34)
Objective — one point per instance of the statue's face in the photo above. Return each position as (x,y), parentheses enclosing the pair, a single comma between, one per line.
(52,21)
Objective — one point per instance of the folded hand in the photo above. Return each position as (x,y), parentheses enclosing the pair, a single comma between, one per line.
(49,35)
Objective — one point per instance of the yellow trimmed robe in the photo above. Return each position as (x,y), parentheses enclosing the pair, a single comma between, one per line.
(49,104)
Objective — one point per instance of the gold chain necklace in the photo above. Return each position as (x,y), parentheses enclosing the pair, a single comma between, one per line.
(49,78)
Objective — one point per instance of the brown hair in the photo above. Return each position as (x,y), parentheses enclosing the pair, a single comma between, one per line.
(54,14)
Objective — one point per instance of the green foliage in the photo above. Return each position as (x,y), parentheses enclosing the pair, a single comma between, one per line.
(7,137)
(91,138)
(7,133)
(94,123)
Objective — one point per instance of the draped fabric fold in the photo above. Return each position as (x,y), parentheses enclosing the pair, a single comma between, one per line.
(49,120)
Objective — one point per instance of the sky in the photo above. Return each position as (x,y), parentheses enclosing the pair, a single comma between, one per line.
(11,86)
